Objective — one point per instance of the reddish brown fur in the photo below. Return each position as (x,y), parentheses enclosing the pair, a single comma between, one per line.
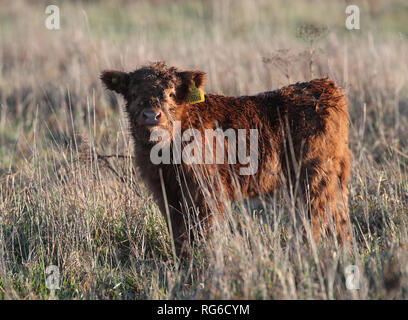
(304,126)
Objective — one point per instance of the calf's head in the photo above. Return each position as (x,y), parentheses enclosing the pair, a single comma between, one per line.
(155,95)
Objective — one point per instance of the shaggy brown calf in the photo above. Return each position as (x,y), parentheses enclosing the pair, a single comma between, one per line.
(302,143)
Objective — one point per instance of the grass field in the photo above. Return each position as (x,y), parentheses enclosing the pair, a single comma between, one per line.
(64,203)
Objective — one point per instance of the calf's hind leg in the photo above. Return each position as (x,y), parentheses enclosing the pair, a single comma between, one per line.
(329,206)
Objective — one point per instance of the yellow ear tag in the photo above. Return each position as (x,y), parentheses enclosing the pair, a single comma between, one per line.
(196,95)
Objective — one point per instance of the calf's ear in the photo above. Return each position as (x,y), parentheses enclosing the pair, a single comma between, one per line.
(191,80)
(117,81)
(192,75)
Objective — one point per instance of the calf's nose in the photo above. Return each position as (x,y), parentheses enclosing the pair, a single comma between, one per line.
(151,117)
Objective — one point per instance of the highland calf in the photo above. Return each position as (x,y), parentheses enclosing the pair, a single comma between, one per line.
(302,143)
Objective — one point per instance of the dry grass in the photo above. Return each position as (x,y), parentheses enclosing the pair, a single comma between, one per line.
(94,219)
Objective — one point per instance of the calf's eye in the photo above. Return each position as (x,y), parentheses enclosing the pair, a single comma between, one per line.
(172,95)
